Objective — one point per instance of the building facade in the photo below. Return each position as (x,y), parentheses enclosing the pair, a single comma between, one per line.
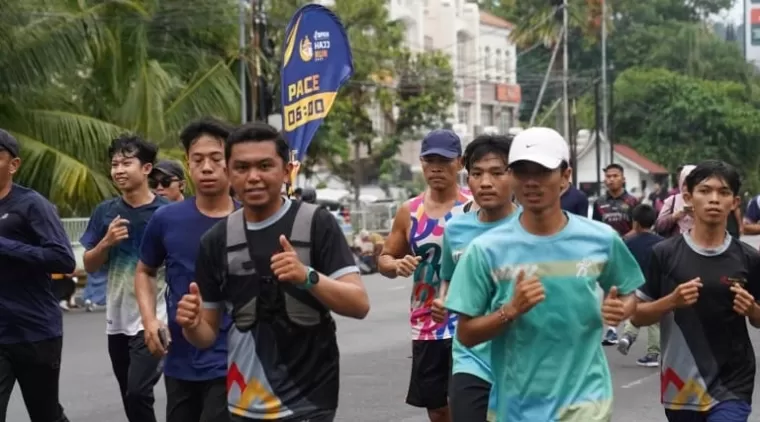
(483,58)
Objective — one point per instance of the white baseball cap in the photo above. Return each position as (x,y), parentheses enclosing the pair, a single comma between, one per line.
(541,145)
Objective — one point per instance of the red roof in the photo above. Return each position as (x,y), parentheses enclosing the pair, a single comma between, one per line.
(495,21)
(640,160)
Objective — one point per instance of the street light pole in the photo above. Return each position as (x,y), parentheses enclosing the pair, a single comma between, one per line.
(605,106)
(565,68)
(241,58)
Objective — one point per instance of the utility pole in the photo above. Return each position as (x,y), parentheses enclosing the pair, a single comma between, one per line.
(242,70)
(574,141)
(605,109)
(597,140)
(565,68)
(255,65)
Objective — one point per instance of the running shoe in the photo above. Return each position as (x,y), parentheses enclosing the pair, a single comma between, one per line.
(64,304)
(610,337)
(625,343)
(651,360)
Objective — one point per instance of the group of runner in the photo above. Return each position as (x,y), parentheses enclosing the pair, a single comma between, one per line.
(505,318)
(505,286)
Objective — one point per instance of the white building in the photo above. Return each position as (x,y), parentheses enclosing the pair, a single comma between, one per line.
(640,172)
(483,58)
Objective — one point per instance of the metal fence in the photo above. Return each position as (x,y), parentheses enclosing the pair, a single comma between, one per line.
(372,217)
(75,228)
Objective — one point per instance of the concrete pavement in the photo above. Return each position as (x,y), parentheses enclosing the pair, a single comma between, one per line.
(375,368)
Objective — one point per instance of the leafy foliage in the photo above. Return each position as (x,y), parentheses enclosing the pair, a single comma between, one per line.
(75,74)
(681,119)
(680,93)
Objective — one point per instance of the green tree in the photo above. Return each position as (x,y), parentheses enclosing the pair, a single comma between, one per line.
(402,92)
(74,74)
(681,119)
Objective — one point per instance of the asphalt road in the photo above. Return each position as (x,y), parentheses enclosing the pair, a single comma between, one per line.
(375,368)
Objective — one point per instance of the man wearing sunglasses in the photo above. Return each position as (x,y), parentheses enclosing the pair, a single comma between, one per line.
(168,180)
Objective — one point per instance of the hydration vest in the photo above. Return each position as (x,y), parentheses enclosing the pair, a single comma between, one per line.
(287,303)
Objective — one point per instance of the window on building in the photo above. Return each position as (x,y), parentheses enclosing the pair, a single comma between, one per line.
(464,113)
(506,119)
(428,43)
(487,58)
(462,42)
(486,115)
(499,68)
(508,68)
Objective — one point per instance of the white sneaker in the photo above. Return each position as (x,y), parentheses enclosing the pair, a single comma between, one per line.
(88,305)
(64,305)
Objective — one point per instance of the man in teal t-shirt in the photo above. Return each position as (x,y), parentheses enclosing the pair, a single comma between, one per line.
(532,291)
(486,160)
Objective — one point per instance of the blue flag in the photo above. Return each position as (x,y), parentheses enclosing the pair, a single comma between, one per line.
(316,62)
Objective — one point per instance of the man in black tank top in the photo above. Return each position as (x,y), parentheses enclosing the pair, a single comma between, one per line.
(284,361)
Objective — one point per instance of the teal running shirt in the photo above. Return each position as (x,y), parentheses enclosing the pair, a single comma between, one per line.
(548,365)
(460,231)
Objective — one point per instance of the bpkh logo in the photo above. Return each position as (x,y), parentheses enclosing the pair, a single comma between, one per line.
(306,49)
(316,50)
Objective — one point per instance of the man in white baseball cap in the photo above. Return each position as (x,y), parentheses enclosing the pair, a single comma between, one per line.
(540,145)
(534,277)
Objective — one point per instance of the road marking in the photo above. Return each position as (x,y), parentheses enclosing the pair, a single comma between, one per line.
(397,288)
(639,381)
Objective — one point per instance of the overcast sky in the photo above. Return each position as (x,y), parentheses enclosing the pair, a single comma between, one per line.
(736,14)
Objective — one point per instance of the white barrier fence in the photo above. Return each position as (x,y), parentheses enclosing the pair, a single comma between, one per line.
(373,218)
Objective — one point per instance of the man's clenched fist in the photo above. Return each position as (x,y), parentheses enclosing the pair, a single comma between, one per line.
(189,308)
(529,292)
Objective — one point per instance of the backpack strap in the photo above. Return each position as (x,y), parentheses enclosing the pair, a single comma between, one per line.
(467,207)
(238,257)
(300,233)
(302,307)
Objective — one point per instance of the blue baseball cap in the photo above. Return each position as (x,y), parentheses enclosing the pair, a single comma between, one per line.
(441,142)
(8,143)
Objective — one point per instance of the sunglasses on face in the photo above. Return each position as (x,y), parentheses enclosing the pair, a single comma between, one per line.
(164,182)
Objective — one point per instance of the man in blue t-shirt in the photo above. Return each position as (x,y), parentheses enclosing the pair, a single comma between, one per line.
(574,201)
(195,379)
(112,241)
(640,244)
(532,292)
(486,160)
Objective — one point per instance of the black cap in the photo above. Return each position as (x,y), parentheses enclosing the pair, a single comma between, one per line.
(170,168)
(441,142)
(8,143)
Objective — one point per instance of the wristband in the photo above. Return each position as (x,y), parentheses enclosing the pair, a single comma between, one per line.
(505,319)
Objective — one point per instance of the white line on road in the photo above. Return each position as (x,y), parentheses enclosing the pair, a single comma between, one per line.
(397,288)
(639,381)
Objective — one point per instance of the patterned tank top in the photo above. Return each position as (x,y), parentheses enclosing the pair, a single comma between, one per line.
(426,241)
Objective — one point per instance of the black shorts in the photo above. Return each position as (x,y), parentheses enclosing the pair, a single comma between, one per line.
(196,401)
(431,368)
(468,398)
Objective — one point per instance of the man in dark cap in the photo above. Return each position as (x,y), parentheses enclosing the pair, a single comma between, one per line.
(33,245)
(407,253)
(168,180)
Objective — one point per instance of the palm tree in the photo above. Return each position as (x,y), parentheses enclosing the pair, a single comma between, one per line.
(75,74)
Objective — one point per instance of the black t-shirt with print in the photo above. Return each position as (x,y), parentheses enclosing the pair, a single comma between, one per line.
(297,367)
(706,347)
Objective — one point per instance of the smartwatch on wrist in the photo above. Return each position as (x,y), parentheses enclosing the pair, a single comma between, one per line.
(312,278)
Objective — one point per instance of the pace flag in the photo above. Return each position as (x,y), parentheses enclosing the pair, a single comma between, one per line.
(316,62)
